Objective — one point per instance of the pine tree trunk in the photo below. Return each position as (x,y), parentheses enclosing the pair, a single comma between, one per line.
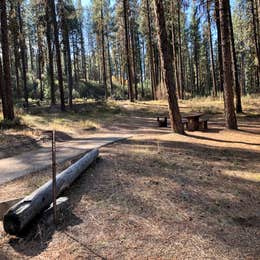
(150,51)
(167,68)
(83,53)
(234,65)
(7,95)
(23,54)
(13,28)
(50,54)
(219,46)
(211,52)
(104,70)
(110,66)
(175,60)
(141,67)
(181,77)
(40,58)
(256,42)
(58,55)
(17,64)
(230,115)
(66,42)
(133,45)
(74,48)
(128,55)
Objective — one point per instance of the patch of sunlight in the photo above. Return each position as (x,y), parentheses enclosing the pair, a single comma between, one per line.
(247,175)
(88,124)
(142,150)
(68,124)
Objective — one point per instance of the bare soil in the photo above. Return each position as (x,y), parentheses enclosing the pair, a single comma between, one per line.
(158,195)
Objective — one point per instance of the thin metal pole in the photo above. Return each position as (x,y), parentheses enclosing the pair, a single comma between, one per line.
(54,176)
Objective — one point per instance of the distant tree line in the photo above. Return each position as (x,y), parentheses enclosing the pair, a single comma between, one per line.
(53,49)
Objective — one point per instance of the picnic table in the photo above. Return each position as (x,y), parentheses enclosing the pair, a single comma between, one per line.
(193,121)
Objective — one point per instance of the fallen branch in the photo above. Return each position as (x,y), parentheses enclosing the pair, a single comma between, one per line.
(19,216)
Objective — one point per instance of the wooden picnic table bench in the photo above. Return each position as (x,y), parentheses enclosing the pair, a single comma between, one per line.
(195,121)
(191,122)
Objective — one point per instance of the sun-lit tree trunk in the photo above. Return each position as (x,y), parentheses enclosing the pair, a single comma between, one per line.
(40,62)
(110,66)
(211,51)
(230,115)
(219,46)
(174,48)
(141,66)
(104,69)
(234,65)
(181,77)
(133,48)
(128,54)
(167,68)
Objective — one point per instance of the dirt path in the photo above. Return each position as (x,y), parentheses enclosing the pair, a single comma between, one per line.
(23,164)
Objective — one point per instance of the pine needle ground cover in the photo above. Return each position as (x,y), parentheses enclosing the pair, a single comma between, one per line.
(157,195)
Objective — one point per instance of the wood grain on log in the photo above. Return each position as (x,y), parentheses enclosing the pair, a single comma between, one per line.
(19,216)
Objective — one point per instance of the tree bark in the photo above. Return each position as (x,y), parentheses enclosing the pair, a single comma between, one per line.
(150,51)
(234,65)
(167,68)
(50,54)
(13,28)
(104,69)
(230,115)
(133,45)
(256,42)
(83,53)
(20,215)
(7,95)
(181,77)
(110,66)
(219,46)
(128,56)
(58,55)
(211,52)
(174,49)
(23,53)
(66,42)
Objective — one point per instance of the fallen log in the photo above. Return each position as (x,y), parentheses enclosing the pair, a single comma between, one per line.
(6,205)
(20,215)
(62,204)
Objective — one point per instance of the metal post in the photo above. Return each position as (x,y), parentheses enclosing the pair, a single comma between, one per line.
(54,176)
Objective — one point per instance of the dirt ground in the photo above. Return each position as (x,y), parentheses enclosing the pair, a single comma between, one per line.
(158,195)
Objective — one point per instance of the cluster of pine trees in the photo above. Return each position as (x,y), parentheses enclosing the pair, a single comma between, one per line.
(49,47)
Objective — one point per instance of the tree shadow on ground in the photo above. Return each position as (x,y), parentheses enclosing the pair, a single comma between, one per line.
(221,141)
(19,143)
(192,197)
(37,236)
(221,207)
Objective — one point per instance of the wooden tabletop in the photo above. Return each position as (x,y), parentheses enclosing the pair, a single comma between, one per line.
(194,115)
